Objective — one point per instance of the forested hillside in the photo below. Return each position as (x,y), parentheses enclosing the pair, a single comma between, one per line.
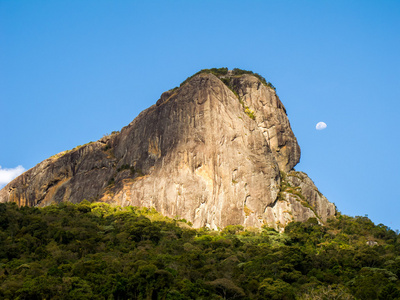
(97,251)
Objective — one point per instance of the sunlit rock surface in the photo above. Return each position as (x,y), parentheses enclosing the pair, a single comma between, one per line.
(211,151)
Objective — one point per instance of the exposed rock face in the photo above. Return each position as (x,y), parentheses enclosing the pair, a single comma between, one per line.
(322,208)
(271,119)
(298,200)
(68,176)
(205,152)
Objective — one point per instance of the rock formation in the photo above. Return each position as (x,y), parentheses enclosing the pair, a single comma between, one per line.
(217,151)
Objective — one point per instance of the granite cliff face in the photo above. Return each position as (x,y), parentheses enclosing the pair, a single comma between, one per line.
(216,151)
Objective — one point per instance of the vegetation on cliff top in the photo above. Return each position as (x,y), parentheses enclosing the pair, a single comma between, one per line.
(221,73)
(97,251)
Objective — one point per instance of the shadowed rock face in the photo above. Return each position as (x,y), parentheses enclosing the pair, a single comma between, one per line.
(205,152)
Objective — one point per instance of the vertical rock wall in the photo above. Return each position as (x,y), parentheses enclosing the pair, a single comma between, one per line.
(209,152)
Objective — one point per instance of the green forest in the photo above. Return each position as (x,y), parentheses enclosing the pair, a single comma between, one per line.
(98,251)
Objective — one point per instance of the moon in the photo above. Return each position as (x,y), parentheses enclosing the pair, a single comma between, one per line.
(320,126)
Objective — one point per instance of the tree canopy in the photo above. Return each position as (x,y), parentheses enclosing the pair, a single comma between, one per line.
(98,251)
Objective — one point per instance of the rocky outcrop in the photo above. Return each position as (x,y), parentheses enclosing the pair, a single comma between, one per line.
(68,176)
(212,151)
(270,116)
(298,200)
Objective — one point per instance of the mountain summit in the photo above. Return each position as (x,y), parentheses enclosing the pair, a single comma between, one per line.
(216,151)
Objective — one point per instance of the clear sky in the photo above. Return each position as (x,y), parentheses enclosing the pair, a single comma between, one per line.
(72,71)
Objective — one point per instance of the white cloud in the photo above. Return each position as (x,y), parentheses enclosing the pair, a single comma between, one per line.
(320,126)
(6,175)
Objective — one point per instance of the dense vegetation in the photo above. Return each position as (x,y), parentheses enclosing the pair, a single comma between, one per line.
(97,251)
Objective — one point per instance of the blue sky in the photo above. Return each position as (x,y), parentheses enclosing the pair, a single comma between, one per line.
(72,71)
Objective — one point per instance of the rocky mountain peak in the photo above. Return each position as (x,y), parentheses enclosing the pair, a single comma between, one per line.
(261,103)
(217,151)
